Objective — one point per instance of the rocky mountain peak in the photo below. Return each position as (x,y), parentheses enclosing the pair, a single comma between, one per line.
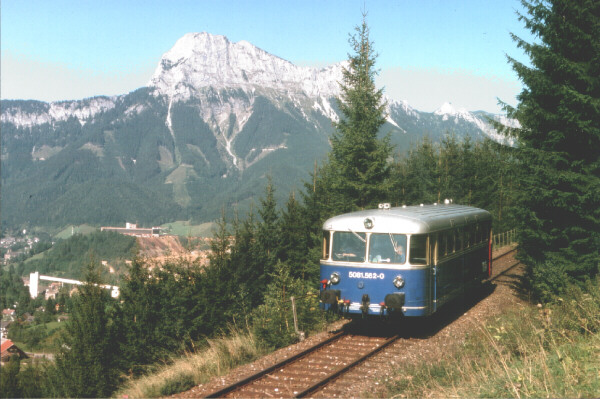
(200,60)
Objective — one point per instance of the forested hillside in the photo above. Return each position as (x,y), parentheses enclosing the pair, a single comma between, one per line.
(68,257)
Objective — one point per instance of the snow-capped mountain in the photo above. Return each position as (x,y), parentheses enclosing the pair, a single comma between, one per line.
(200,60)
(215,118)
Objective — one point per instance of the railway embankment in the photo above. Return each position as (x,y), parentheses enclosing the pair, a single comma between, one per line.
(420,342)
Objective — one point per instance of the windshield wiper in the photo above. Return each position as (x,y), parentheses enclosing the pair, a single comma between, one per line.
(356,234)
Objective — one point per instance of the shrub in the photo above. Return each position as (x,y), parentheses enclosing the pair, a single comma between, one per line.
(548,280)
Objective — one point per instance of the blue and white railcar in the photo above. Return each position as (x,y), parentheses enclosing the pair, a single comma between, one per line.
(405,260)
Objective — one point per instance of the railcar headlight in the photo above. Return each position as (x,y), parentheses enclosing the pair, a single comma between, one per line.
(398,281)
(334,278)
(368,222)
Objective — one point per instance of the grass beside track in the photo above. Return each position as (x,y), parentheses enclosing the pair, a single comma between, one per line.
(218,357)
(534,351)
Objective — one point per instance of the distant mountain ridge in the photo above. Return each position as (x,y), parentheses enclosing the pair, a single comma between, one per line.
(214,120)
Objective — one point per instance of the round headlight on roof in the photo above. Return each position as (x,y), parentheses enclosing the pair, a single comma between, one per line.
(368,223)
(334,278)
(398,281)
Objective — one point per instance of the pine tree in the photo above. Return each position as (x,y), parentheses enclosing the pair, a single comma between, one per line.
(216,301)
(559,140)
(266,234)
(450,170)
(319,201)
(139,318)
(358,159)
(220,245)
(468,174)
(273,320)
(87,365)
(422,174)
(244,263)
(295,241)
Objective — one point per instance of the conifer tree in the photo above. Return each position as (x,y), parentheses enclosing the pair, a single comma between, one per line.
(319,201)
(295,241)
(398,180)
(266,233)
(358,159)
(467,174)
(220,245)
(140,316)
(450,170)
(87,366)
(559,141)
(243,261)
(219,289)
(422,174)
(273,321)
(490,167)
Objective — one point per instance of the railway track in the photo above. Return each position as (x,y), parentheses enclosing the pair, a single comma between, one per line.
(510,251)
(312,369)
(507,269)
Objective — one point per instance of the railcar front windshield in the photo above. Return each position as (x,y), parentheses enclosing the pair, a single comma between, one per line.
(387,248)
(349,246)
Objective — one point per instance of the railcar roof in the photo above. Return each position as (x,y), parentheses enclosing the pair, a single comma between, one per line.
(408,220)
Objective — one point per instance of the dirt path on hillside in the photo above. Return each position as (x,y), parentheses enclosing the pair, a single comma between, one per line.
(424,341)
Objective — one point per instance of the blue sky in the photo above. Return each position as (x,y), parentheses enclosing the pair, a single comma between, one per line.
(430,51)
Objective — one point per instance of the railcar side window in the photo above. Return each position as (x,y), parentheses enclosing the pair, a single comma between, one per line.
(458,234)
(468,236)
(326,237)
(349,246)
(485,232)
(418,250)
(478,233)
(443,248)
(387,248)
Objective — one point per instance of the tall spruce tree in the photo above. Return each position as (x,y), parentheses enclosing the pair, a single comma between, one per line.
(422,177)
(87,366)
(358,159)
(559,142)
(244,262)
(295,241)
(266,233)
(140,315)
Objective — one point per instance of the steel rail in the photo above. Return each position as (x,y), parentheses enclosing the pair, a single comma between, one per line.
(505,270)
(345,369)
(236,385)
(504,254)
